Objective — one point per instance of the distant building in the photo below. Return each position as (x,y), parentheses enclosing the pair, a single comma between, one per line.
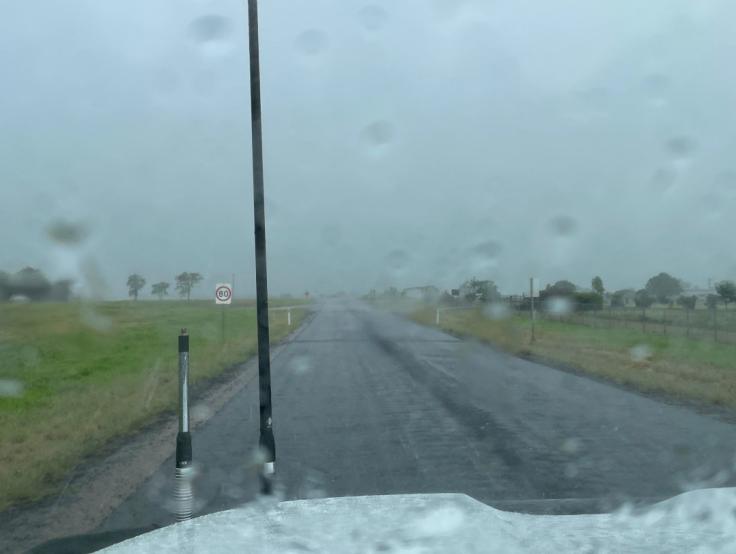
(426,292)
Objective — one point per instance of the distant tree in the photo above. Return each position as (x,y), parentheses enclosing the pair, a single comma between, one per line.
(31,283)
(727,291)
(663,287)
(482,290)
(185,282)
(688,302)
(643,299)
(587,301)
(597,284)
(160,289)
(135,284)
(560,288)
(61,291)
(4,285)
(391,292)
(617,300)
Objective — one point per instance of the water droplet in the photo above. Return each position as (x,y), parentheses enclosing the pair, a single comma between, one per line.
(378,133)
(448,9)
(571,471)
(373,17)
(95,320)
(640,352)
(397,260)
(497,311)
(300,364)
(11,388)
(313,486)
(311,42)
(201,412)
(656,87)
(712,204)
(211,32)
(726,183)
(663,180)
(488,249)
(559,305)
(441,521)
(66,232)
(563,225)
(572,445)
(331,235)
(681,148)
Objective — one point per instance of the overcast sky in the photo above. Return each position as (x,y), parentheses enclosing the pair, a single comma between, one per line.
(406,142)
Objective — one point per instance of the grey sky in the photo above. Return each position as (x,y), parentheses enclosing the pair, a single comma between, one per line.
(405,142)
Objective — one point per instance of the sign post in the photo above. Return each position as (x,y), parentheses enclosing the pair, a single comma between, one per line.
(533,293)
(223,295)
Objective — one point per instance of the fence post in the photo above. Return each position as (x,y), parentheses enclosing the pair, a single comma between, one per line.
(288,317)
(437,317)
(531,299)
(664,321)
(184,472)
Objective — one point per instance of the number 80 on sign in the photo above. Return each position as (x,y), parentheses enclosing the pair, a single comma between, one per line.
(223,293)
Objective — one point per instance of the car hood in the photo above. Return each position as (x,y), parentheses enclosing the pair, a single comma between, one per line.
(702,521)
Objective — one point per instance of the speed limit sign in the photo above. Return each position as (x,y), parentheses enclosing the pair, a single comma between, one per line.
(223,293)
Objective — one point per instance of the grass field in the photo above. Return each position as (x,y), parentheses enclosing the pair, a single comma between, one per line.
(73,376)
(698,370)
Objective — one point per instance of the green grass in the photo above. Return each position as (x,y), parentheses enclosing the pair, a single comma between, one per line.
(696,370)
(92,372)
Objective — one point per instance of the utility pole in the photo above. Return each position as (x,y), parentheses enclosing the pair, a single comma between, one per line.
(266,439)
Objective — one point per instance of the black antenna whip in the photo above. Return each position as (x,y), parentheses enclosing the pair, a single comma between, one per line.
(266,440)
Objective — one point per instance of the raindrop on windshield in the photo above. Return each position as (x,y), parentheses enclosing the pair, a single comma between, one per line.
(726,183)
(397,260)
(311,42)
(497,311)
(11,388)
(563,225)
(373,17)
(681,148)
(559,305)
(663,180)
(331,235)
(66,232)
(300,364)
(656,86)
(484,256)
(640,352)
(378,133)
(201,412)
(572,445)
(440,521)
(488,249)
(211,32)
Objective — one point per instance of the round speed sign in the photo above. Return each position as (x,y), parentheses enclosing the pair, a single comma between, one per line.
(223,293)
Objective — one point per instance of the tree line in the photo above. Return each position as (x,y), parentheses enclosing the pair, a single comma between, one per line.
(662,288)
(185,282)
(31,283)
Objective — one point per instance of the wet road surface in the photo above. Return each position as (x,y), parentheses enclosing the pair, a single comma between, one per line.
(366,402)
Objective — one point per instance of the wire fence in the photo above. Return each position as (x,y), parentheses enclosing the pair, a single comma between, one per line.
(702,324)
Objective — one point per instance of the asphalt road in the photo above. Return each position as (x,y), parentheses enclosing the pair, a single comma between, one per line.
(368,403)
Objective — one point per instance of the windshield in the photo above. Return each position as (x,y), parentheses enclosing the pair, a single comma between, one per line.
(499,260)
